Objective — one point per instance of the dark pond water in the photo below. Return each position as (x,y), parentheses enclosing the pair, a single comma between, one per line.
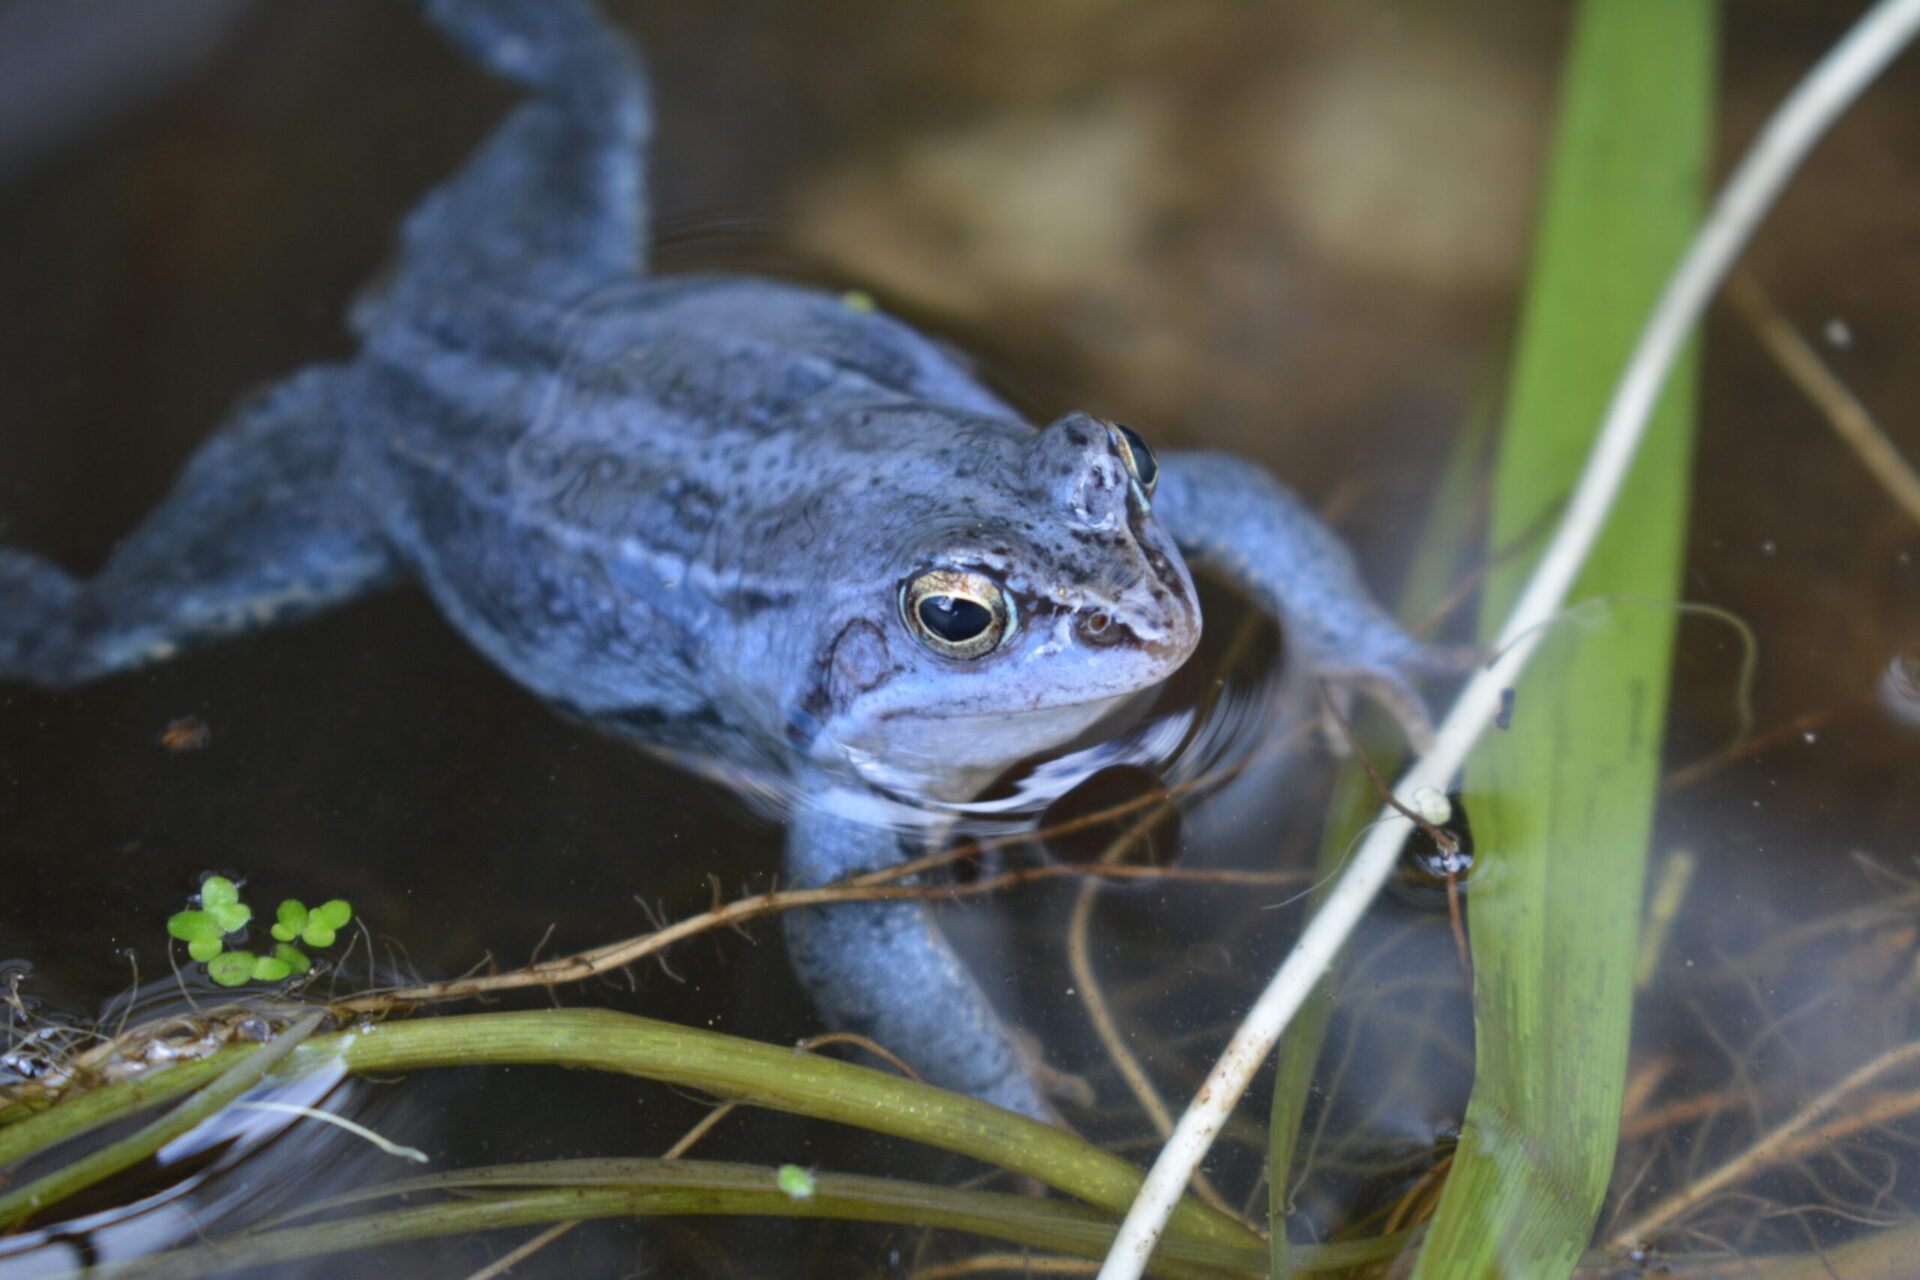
(1294,231)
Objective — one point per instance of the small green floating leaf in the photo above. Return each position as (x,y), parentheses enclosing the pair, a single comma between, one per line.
(221,898)
(795,1181)
(333,914)
(290,919)
(293,957)
(194,926)
(205,949)
(233,916)
(326,921)
(231,968)
(270,969)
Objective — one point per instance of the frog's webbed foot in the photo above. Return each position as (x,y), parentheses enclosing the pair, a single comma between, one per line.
(260,526)
(554,204)
(1228,513)
(883,970)
(1387,681)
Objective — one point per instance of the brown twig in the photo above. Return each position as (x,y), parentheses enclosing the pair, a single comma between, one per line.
(1849,418)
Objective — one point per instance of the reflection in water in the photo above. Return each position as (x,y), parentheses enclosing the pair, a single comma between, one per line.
(1900,689)
(244,1165)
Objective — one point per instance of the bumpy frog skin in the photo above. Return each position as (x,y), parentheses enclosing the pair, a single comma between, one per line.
(742,522)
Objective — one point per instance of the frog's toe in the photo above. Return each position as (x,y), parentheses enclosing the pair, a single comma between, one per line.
(1390,690)
(37,601)
(1448,659)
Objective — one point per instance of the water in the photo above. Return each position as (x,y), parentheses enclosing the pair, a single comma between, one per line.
(1297,233)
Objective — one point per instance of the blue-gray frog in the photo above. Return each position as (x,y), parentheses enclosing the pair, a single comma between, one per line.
(766,529)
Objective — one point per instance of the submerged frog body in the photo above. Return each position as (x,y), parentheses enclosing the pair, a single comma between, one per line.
(755,525)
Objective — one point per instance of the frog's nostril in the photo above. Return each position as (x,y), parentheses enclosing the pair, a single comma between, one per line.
(1098,627)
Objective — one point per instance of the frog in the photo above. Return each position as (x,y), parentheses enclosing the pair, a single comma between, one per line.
(766,530)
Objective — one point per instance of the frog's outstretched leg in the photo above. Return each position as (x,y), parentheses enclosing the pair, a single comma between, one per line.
(261,526)
(882,969)
(554,204)
(1227,512)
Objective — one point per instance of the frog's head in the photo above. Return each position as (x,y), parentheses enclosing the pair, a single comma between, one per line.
(1034,593)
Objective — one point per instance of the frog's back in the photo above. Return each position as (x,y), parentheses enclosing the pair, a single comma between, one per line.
(580,488)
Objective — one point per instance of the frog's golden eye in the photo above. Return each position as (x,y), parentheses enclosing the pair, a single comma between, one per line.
(957,613)
(1138,457)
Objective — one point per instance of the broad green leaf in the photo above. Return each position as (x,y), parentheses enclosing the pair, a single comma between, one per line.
(1562,802)
(293,957)
(333,914)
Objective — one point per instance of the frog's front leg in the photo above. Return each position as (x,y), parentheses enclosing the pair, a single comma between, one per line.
(1227,512)
(882,969)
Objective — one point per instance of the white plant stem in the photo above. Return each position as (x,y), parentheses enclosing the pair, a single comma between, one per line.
(1798,123)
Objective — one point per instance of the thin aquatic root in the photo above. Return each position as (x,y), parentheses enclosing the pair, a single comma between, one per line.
(526,1249)
(1800,1133)
(1849,418)
(868,1044)
(1749,193)
(1663,909)
(706,1125)
(1897,910)
(1749,644)
(1745,749)
(1443,840)
(520,1253)
(1377,1001)
(1016,1264)
(133,962)
(587,964)
(1087,985)
(1463,590)
(1685,1111)
(353,1127)
(1619,1198)
(1420,1200)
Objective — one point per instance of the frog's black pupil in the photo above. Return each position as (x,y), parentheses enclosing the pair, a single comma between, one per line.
(953,619)
(1144,465)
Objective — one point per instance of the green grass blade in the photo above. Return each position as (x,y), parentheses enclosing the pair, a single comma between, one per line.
(758,1074)
(1562,802)
(529,1195)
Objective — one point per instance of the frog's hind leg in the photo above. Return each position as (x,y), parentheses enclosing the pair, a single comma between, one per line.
(883,970)
(554,204)
(260,526)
